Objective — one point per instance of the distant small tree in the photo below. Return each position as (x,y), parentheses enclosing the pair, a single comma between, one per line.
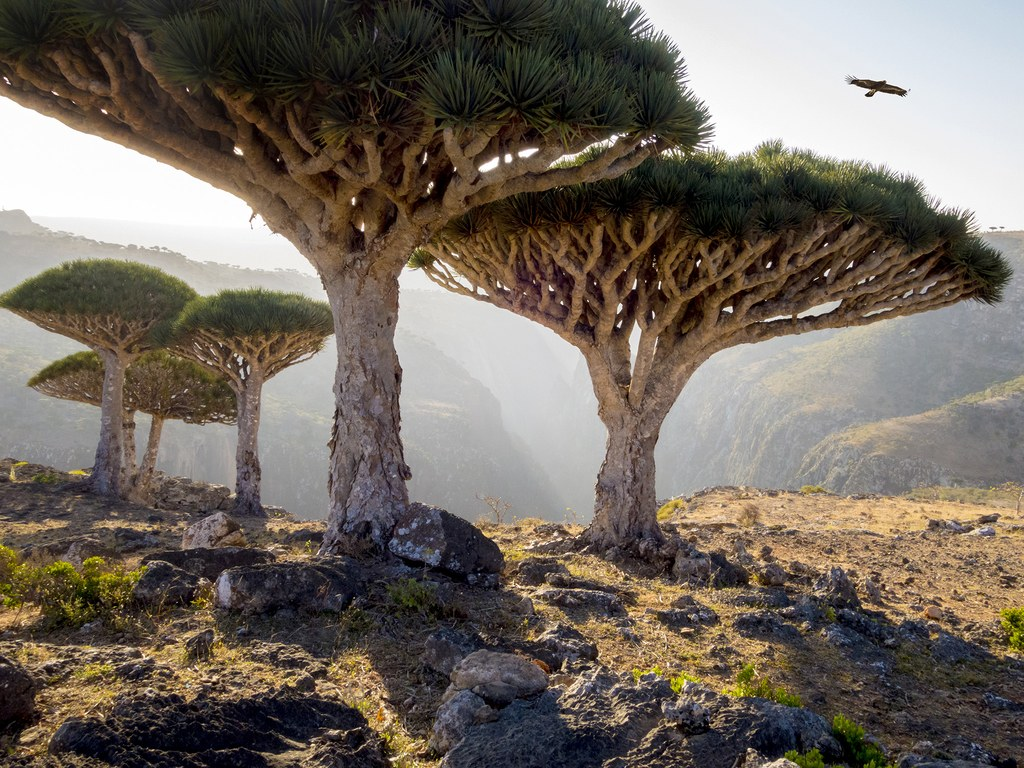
(249,336)
(650,274)
(112,307)
(158,384)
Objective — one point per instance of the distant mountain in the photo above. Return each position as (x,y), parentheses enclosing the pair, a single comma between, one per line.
(455,437)
(973,441)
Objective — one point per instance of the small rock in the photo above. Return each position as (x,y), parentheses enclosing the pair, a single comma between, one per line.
(562,643)
(199,647)
(17,691)
(689,716)
(217,530)
(455,716)
(447,647)
(210,562)
(524,607)
(872,590)
(483,667)
(772,575)
(985,530)
(593,600)
(534,571)
(933,612)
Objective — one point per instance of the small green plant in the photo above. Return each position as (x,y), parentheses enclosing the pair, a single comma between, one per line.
(638,673)
(413,596)
(808,490)
(858,752)
(1013,625)
(749,685)
(669,509)
(675,681)
(812,759)
(94,672)
(46,478)
(830,614)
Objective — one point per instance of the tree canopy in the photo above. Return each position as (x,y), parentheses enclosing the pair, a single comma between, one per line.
(247,337)
(356,129)
(653,272)
(156,383)
(113,307)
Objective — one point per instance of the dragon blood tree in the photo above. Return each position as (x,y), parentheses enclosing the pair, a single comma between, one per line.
(356,129)
(158,384)
(650,274)
(248,337)
(112,307)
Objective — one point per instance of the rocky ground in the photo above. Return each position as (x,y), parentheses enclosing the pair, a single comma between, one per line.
(884,610)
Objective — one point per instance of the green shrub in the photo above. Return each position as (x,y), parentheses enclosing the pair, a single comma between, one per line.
(46,478)
(748,685)
(675,681)
(68,596)
(858,752)
(812,759)
(13,578)
(1013,625)
(414,596)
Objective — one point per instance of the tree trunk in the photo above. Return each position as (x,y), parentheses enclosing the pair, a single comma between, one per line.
(247,456)
(106,477)
(128,470)
(368,474)
(625,505)
(145,475)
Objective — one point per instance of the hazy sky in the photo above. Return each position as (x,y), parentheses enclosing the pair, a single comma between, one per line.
(765,69)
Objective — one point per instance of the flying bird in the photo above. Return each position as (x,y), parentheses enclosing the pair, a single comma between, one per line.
(874,86)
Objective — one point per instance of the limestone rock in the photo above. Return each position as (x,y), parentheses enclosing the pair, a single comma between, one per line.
(484,667)
(211,562)
(437,538)
(164,584)
(17,692)
(326,585)
(217,530)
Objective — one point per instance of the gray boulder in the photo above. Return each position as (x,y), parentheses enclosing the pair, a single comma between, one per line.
(836,589)
(217,530)
(164,584)
(561,644)
(327,585)
(435,537)
(447,647)
(17,692)
(210,562)
(487,668)
(454,718)
(605,719)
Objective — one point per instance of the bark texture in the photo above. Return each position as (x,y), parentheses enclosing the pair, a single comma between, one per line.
(367,485)
(107,467)
(145,474)
(247,454)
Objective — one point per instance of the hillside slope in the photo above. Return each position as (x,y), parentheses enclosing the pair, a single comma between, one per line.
(974,441)
(754,415)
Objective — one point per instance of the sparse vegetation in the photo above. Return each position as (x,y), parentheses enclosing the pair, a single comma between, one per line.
(414,596)
(811,759)
(750,515)
(807,490)
(749,684)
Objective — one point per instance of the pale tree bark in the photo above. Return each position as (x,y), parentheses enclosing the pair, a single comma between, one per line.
(368,474)
(130,456)
(247,455)
(107,479)
(145,474)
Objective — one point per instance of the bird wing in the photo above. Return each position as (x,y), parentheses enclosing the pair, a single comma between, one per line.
(895,90)
(862,83)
